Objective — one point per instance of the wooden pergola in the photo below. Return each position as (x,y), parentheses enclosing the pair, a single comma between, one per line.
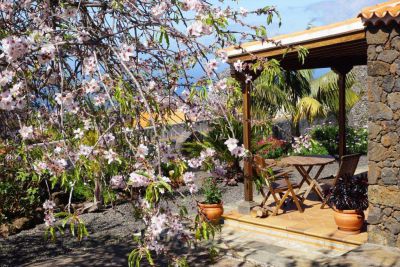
(338,46)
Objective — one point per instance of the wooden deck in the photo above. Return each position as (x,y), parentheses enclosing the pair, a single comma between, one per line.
(314,227)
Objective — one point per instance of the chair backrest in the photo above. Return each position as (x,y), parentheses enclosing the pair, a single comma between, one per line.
(348,166)
(261,165)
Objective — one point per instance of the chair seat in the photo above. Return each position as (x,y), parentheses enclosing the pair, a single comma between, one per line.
(280,184)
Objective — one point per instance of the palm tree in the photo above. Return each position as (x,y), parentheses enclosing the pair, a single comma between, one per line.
(324,97)
(298,94)
(282,93)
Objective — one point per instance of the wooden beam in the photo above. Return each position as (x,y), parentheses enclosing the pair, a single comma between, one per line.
(313,63)
(342,71)
(278,51)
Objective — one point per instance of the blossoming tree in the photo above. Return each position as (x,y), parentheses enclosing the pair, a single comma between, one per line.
(78,78)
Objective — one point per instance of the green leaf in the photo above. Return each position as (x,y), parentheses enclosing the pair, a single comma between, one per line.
(72,228)
(302,53)
(166,185)
(149,258)
(198,234)
(205,232)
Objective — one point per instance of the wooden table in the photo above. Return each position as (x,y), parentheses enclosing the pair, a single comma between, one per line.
(304,165)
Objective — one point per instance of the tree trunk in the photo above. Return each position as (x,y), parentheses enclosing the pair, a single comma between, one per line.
(98,197)
(295,128)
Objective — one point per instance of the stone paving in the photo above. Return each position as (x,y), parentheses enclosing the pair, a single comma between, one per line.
(264,251)
(239,249)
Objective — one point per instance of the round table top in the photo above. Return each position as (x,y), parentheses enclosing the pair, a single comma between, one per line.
(307,160)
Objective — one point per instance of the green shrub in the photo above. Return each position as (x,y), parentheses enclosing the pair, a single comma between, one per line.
(174,170)
(271,148)
(21,191)
(328,136)
(82,192)
(220,131)
(305,146)
(212,194)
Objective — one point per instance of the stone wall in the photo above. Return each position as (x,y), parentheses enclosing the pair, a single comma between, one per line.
(358,115)
(179,132)
(384,130)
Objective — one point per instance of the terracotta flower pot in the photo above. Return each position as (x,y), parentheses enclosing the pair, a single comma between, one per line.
(213,212)
(350,221)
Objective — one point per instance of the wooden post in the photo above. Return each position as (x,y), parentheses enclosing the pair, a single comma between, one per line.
(341,72)
(245,206)
(248,178)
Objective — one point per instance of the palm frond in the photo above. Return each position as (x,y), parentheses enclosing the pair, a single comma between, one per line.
(326,90)
(309,108)
(280,93)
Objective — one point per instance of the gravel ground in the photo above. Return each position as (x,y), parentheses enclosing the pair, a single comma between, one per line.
(110,227)
(110,231)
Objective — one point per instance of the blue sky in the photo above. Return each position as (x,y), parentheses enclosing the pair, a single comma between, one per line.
(298,14)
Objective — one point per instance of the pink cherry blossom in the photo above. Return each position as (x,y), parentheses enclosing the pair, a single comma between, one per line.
(78,133)
(231,143)
(193,188)
(195,162)
(126,52)
(6,77)
(89,65)
(110,156)
(118,182)
(142,151)
(211,66)
(138,180)
(188,177)
(49,205)
(238,151)
(26,132)
(84,150)
(157,224)
(91,87)
(47,53)
(14,47)
(198,28)
(238,65)
(49,219)
(194,5)
(158,10)
(243,11)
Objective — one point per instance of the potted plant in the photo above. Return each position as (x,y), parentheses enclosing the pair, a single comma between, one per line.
(349,199)
(211,207)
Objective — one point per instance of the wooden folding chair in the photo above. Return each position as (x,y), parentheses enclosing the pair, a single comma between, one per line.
(279,185)
(347,168)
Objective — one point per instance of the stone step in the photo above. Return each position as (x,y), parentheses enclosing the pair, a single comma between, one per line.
(291,238)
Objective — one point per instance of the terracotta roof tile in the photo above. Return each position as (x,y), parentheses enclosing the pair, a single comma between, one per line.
(381,13)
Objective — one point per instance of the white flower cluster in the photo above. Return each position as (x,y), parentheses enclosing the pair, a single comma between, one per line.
(13,98)
(188,178)
(138,180)
(194,5)
(48,207)
(14,48)
(197,162)
(198,28)
(118,182)
(26,132)
(300,143)
(237,151)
